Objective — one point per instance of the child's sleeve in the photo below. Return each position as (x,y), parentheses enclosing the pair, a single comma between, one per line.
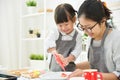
(51,39)
(78,47)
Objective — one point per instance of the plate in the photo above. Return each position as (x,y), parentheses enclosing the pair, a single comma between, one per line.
(54,76)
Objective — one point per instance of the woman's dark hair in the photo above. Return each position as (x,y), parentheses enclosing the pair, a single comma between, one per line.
(95,10)
(63,13)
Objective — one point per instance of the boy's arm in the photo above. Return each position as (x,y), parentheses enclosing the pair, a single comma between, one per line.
(77,49)
(50,50)
(70,58)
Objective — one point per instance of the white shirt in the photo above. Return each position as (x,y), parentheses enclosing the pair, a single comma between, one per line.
(54,35)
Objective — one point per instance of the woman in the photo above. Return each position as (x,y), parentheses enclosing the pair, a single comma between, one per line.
(104,50)
(65,41)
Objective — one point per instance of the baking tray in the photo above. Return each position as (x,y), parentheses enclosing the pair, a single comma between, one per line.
(7,77)
(54,76)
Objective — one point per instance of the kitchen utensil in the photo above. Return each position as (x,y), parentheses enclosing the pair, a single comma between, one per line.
(7,77)
(59,61)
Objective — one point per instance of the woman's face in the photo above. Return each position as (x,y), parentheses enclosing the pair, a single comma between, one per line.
(90,27)
(66,27)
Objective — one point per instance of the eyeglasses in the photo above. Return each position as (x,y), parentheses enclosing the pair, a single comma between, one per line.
(86,29)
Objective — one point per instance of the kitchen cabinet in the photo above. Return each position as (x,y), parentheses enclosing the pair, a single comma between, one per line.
(32,31)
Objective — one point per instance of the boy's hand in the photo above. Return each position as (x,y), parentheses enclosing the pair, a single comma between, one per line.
(54,52)
(59,58)
(64,60)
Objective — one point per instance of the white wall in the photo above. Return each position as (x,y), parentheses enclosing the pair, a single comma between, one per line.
(116,18)
(9,32)
(114,6)
(52,5)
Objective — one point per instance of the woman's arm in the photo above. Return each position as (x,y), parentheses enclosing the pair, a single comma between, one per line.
(106,76)
(109,76)
(83,65)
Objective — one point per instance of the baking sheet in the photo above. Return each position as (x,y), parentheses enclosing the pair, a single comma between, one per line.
(54,76)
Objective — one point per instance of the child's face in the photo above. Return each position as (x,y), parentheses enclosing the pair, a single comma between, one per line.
(66,27)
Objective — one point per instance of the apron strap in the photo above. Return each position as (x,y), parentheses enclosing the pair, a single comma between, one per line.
(103,38)
(102,42)
(75,35)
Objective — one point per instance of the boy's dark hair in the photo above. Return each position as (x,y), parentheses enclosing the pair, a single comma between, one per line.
(63,13)
(95,10)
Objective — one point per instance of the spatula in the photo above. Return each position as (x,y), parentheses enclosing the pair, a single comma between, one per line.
(59,61)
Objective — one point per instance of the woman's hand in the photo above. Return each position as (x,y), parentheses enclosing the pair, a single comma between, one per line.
(76,73)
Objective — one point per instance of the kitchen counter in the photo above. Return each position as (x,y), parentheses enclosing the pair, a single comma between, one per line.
(49,76)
